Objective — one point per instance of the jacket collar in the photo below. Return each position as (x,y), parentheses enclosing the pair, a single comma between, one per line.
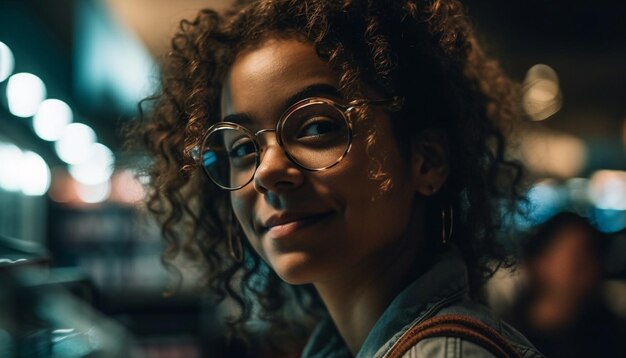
(444,282)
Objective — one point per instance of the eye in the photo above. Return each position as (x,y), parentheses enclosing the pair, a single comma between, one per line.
(317,127)
(241,148)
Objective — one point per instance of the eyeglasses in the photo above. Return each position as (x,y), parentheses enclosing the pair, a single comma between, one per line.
(315,134)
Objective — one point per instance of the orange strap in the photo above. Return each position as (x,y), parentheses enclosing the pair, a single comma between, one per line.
(455,325)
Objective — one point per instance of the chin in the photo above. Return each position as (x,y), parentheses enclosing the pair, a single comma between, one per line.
(296,268)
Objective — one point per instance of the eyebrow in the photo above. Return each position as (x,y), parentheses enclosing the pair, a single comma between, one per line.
(315,90)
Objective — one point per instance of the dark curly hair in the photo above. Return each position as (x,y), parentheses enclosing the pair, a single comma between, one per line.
(422,50)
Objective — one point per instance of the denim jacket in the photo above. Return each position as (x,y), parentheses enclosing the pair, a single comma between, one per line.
(443,289)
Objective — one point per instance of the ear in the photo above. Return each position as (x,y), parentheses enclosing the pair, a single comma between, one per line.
(430,161)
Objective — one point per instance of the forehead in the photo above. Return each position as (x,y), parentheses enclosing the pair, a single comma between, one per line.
(263,78)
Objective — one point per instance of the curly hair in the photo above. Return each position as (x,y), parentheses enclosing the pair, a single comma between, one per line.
(422,50)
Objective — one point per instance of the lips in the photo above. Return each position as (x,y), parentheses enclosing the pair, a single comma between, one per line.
(285,223)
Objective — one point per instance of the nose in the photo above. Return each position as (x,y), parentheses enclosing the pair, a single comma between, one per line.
(276,172)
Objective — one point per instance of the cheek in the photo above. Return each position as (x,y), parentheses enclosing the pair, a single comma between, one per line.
(243,208)
(379,195)
(381,174)
(382,217)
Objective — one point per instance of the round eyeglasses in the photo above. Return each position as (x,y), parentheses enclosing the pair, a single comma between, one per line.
(315,134)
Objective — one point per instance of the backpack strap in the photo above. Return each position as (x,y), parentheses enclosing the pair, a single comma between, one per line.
(459,326)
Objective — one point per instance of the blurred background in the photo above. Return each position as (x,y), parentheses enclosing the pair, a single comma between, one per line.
(72,73)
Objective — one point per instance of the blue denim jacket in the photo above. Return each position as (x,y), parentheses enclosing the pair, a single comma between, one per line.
(443,289)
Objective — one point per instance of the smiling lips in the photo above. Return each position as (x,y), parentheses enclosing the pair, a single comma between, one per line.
(285,224)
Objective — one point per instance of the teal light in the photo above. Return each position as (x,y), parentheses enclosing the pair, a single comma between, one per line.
(113,67)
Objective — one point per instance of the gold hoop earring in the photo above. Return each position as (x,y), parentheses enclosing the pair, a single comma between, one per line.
(446,235)
(235,248)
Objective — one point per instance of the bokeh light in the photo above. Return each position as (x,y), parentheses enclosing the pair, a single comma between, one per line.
(578,191)
(25,92)
(607,189)
(610,221)
(10,157)
(541,93)
(51,119)
(126,188)
(74,145)
(7,62)
(62,188)
(553,154)
(34,174)
(546,199)
(97,168)
(93,194)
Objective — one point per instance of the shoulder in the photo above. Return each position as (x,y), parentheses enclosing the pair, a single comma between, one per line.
(455,347)
(464,329)
(483,314)
(447,347)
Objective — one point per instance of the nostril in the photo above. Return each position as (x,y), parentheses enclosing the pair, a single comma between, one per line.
(276,172)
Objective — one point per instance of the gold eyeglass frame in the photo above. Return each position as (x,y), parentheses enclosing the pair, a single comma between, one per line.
(392,104)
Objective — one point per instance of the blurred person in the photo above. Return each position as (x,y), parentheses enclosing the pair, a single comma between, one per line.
(562,310)
(343,160)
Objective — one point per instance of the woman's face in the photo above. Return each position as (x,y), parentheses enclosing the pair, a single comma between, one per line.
(312,226)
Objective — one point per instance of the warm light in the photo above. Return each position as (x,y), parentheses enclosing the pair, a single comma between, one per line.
(62,188)
(553,154)
(93,194)
(34,174)
(25,92)
(74,146)
(126,188)
(10,158)
(7,62)
(540,71)
(97,168)
(607,189)
(542,91)
(541,94)
(51,118)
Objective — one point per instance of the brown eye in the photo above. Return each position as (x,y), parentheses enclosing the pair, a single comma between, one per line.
(318,126)
(241,148)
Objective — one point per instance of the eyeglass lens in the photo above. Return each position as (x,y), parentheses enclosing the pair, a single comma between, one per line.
(315,135)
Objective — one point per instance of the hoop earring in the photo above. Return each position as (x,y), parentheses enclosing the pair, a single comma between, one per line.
(235,248)
(446,235)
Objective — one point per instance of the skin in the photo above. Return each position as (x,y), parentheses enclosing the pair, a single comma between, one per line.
(356,245)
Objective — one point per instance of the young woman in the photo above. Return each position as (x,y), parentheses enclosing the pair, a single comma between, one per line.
(346,157)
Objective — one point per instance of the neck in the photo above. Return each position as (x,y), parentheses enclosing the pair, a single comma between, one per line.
(357,299)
